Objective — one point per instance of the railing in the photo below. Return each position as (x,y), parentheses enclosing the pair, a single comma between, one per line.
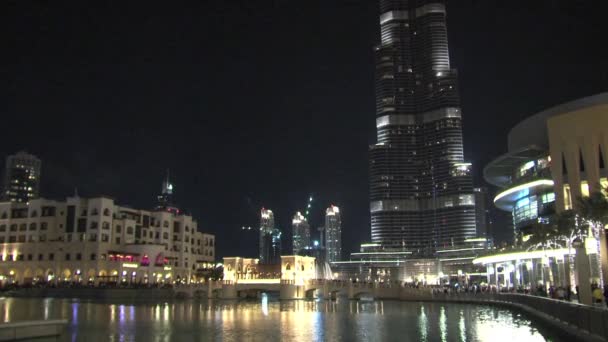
(593,320)
(31,329)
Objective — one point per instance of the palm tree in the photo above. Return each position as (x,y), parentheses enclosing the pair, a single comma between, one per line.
(594,209)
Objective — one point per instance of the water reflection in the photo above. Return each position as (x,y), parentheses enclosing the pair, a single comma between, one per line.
(269,319)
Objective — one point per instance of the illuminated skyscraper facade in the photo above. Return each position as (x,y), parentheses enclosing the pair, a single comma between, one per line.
(421,193)
(21,178)
(267,239)
(300,233)
(333,234)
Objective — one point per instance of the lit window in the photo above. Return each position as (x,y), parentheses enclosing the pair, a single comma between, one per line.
(567,197)
(585,189)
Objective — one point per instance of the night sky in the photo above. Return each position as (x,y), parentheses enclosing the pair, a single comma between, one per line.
(261,103)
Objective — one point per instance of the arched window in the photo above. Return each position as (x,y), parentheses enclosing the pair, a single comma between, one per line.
(288,267)
(106,212)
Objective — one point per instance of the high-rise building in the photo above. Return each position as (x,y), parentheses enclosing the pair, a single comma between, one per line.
(275,247)
(421,192)
(482,212)
(266,235)
(165,199)
(301,233)
(21,177)
(333,234)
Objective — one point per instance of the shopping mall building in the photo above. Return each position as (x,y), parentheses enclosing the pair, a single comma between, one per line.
(554,157)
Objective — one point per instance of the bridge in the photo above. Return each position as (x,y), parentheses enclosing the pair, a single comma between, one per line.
(314,288)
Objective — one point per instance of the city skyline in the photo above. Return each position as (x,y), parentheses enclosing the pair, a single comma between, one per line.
(102,118)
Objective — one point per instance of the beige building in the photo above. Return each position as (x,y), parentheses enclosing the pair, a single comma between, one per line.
(95,240)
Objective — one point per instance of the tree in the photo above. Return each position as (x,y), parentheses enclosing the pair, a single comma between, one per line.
(594,209)
(542,235)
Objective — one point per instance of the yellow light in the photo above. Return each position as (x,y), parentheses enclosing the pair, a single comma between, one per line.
(130,265)
(167,268)
(585,189)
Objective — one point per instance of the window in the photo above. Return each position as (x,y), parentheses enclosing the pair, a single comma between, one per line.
(118,229)
(40,257)
(187,229)
(93,237)
(30,257)
(44,226)
(20,257)
(42,238)
(157,235)
(4,215)
(166,224)
(94,212)
(2,228)
(9,257)
(118,241)
(93,257)
(105,225)
(151,234)
(94,225)
(130,230)
(78,256)
(584,188)
(67,256)
(21,238)
(33,226)
(105,237)
(12,239)
(34,213)
(31,238)
(22,227)
(84,212)
(165,235)
(51,256)
(69,238)
(567,197)
(13,227)
(106,212)
(548,197)
(2,239)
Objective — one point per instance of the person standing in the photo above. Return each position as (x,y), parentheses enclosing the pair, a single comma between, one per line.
(597,294)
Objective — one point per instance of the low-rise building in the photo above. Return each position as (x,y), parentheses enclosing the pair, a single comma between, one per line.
(94,240)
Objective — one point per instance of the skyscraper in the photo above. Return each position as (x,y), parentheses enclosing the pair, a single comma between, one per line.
(333,234)
(266,235)
(301,233)
(165,199)
(21,177)
(482,212)
(421,193)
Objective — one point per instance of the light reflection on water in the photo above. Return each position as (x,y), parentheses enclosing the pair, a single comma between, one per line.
(271,320)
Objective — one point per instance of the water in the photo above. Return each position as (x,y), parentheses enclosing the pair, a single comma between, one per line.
(270,320)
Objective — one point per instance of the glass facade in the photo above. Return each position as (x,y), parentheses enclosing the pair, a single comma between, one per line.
(421,189)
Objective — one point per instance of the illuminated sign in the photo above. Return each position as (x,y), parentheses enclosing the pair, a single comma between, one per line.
(167,268)
(130,265)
